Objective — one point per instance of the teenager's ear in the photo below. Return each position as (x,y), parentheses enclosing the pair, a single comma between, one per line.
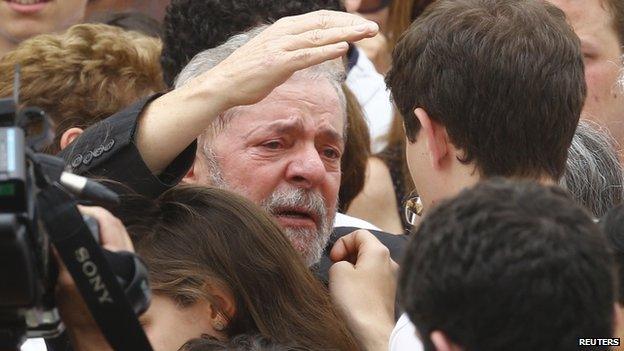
(69,136)
(436,137)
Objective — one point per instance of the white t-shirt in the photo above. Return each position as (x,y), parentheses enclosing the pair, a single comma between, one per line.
(369,88)
(403,337)
(34,345)
(342,220)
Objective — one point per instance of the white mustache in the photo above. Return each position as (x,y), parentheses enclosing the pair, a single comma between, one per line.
(308,201)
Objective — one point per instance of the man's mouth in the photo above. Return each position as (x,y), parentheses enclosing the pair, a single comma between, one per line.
(295,217)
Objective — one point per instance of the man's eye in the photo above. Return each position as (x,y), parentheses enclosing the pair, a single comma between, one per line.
(273,145)
(331,153)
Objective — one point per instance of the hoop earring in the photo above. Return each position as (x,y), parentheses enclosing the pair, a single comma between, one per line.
(218,324)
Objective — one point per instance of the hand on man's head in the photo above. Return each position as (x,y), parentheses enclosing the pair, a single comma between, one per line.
(289,45)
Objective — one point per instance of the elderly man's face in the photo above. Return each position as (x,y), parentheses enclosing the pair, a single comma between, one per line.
(284,154)
(602,53)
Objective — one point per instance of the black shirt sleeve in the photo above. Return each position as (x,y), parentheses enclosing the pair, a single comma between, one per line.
(108,150)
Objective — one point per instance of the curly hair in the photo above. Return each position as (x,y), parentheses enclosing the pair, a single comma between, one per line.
(192,26)
(83,75)
(509,266)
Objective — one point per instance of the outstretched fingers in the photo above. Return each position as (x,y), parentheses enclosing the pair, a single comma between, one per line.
(321,37)
(305,58)
(322,19)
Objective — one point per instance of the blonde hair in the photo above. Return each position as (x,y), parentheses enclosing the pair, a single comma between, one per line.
(83,75)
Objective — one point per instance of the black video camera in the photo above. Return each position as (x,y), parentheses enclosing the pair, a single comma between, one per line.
(37,212)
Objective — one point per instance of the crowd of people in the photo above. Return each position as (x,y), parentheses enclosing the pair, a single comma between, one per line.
(343,174)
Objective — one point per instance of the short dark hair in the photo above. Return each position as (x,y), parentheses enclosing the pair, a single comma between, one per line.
(509,266)
(505,78)
(192,26)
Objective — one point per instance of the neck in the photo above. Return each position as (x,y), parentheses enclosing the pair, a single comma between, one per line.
(450,184)
(465,177)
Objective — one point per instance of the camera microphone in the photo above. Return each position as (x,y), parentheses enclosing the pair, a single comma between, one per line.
(88,189)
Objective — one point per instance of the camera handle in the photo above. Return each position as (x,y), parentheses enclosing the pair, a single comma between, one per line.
(88,267)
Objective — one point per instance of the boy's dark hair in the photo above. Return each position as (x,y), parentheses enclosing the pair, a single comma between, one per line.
(509,266)
(192,26)
(505,78)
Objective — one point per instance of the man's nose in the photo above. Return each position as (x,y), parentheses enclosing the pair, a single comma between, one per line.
(306,169)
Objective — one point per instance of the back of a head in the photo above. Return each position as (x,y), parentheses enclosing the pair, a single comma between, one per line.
(593,173)
(83,75)
(505,78)
(196,236)
(192,26)
(509,266)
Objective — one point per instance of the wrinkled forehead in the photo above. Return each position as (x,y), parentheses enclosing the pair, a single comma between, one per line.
(314,102)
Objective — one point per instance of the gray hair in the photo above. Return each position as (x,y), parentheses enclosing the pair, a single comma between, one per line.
(593,173)
(208,59)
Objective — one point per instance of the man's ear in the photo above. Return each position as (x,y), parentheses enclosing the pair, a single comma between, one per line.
(436,138)
(69,136)
(443,343)
(192,176)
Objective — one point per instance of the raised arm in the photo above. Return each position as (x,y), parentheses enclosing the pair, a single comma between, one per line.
(170,123)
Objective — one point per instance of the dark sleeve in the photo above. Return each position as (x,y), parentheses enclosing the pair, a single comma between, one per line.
(108,150)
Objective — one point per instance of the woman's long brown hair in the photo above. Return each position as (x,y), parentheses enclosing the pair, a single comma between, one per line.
(356,153)
(198,236)
(402,14)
